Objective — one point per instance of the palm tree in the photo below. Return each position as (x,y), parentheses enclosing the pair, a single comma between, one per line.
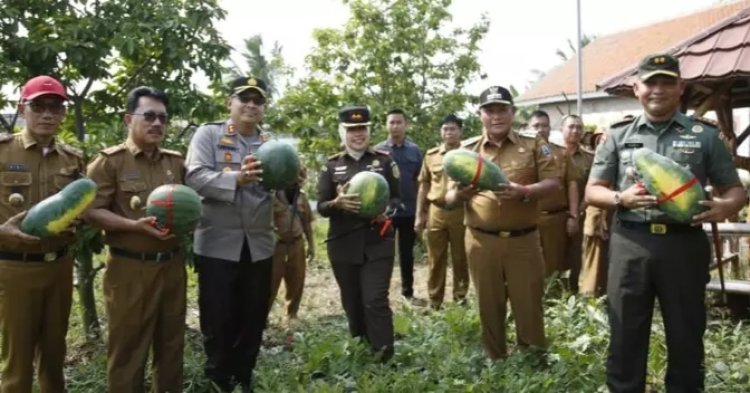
(270,68)
(565,56)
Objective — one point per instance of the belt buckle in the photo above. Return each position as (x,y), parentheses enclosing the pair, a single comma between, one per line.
(50,257)
(658,229)
(504,234)
(163,256)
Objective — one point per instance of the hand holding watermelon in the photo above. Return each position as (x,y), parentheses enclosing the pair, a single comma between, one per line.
(149,226)
(469,168)
(251,170)
(347,202)
(11,230)
(512,191)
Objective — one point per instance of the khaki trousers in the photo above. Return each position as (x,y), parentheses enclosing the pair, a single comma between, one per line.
(289,263)
(444,228)
(554,237)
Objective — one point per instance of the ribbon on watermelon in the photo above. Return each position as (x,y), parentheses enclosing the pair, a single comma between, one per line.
(679,190)
(168,205)
(478,172)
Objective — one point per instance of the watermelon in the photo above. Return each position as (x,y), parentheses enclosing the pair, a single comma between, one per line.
(280,164)
(55,214)
(373,192)
(676,187)
(177,208)
(463,166)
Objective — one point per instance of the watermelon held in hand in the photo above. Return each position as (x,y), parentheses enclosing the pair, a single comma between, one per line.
(468,167)
(55,214)
(676,187)
(373,191)
(280,164)
(177,208)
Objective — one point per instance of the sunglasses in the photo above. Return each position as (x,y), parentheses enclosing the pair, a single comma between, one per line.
(152,116)
(248,98)
(53,108)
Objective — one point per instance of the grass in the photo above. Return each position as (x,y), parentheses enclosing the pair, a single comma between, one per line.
(437,351)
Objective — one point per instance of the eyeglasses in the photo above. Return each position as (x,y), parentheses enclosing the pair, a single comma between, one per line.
(152,116)
(248,98)
(53,108)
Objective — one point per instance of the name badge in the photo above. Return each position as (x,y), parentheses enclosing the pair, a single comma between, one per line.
(633,145)
(686,144)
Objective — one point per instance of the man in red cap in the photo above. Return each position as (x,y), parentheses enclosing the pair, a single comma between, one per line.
(36,275)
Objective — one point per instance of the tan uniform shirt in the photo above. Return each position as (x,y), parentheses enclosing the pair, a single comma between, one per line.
(125,176)
(567,172)
(27,170)
(432,177)
(286,225)
(524,160)
(582,161)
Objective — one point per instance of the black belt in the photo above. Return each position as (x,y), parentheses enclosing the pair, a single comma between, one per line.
(513,233)
(33,257)
(656,228)
(144,256)
(560,210)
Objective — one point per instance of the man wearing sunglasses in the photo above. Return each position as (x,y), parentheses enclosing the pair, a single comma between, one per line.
(145,280)
(36,276)
(234,242)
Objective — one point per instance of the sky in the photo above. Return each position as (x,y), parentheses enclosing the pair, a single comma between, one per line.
(524,35)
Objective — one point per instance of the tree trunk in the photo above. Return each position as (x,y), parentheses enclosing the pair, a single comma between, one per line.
(85,276)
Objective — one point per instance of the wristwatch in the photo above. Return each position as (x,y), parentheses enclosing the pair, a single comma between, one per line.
(617,200)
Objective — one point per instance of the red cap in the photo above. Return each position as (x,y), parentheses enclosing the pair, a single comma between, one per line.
(42,85)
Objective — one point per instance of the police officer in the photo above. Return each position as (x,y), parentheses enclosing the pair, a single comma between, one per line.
(234,241)
(407,156)
(292,219)
(593,277)
(444,226)
(502,240)
(145,280)
(36,277)
(558,210)
(652,256)
(361,250)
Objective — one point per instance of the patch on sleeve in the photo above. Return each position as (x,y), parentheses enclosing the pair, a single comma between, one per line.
(546,150)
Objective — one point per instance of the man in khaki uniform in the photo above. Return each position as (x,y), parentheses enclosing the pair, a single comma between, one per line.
(145,281)
(558,210)
(292,219)
(444,226)
(580,159)
(502,241)
(593,277)
(36,276)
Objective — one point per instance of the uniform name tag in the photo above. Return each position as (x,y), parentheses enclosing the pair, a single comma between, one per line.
(13,167)
(686,144)
(227,147)
(633,145)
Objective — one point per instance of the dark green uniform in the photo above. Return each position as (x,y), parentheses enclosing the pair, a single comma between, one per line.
(653,257)
(361,256)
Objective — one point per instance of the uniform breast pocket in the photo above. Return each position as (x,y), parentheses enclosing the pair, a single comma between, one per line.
(228,160)
(521,170)
(64,177)
(437,172)
(341,178)
(133,195)
(16,189)
(688,158)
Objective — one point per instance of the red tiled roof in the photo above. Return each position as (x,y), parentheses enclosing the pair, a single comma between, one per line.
(619,53)
(721,52)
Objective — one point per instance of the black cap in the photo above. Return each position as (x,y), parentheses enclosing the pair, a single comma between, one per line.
(452,119)
(351,116)
(658,64)
(495,95)
(246,83)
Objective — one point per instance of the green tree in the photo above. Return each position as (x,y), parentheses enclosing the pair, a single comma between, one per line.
(269,67)
(100,50)
(391,53)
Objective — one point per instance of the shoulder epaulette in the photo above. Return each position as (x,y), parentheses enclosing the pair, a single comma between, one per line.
(113,149)
(381,152)
(171,152)
(622,122)
(5,137)
(471,141)
(708,122)
(71,150)
(335,156)
(433,150)
(213,123)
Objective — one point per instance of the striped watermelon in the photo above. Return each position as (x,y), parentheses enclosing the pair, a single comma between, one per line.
(177,208)
(280,164)
(676,187)
(373,192)
(55,214)
(468,167)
